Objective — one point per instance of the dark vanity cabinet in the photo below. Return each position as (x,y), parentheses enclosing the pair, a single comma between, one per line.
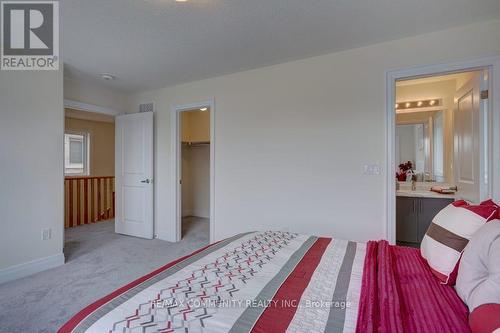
(413,217)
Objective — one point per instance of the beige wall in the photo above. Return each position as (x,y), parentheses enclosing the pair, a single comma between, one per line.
(102,144)
(291,139)
(196,181)
(195,126)
(195,164)
(31,171)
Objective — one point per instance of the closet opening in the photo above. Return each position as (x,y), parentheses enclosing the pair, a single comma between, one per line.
(194,172)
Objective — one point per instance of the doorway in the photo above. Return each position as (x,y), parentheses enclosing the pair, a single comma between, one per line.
(89,168)
(194,170)
(442,126)
(108,169)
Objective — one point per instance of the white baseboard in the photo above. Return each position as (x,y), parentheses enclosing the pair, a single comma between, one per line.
(196,213)
(201,213)
(31,267)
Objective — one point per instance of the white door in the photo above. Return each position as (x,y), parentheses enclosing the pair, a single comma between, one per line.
(134,175)
(468,142)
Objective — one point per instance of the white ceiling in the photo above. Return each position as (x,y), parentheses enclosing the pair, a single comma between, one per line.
(153,43)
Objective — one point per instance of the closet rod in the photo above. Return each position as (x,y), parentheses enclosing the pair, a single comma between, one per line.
(196,144)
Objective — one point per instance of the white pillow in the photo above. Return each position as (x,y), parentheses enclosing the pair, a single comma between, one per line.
(448,234)
(478,280)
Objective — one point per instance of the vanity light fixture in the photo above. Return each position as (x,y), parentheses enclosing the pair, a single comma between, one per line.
(418,104)
(203,109)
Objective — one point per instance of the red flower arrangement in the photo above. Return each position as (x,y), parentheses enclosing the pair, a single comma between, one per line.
(403,169)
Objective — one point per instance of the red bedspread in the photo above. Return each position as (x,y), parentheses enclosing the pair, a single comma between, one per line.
(400,294)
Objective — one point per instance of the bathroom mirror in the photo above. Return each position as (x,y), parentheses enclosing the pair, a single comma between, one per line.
(420,139)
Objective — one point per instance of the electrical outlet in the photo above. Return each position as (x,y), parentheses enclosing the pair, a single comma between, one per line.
(46,234)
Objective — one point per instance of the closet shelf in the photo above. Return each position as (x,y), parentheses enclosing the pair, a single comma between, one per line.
(195,143)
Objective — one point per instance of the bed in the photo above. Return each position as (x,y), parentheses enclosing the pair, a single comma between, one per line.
(280,281)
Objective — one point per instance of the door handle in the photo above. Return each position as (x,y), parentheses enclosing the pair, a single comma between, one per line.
(146,181)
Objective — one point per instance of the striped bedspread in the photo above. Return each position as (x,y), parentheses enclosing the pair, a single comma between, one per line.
(253,282)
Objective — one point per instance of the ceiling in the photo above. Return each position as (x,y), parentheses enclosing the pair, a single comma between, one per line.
(149,44)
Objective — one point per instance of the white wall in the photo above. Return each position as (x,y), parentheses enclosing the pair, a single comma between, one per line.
(31,171)
(292,139)
(92,93)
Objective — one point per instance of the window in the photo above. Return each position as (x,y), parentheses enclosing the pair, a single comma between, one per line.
(76,157)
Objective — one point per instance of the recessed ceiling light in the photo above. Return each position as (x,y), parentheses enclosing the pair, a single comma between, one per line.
(180,0)
(203,109)
(107,76)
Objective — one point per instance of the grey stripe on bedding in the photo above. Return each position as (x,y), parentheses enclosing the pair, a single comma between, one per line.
(336,318)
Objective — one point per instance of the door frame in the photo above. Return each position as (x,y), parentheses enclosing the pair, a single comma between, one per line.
(492,64)
(176,165)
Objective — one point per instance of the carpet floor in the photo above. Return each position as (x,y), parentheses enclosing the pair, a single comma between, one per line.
(98,261)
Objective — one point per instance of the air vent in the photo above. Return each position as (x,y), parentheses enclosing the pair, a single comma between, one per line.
(146,107)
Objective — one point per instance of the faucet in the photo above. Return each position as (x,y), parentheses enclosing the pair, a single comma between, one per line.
(427,177)
(413,185)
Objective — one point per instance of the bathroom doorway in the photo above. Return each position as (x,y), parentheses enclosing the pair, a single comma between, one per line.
(440,143)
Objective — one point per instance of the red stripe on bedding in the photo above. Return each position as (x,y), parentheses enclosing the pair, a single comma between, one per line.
(279,314)
(75,320)
(368,315)
(379,303)
(400,294)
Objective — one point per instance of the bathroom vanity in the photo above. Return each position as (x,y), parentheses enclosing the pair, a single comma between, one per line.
(415,211)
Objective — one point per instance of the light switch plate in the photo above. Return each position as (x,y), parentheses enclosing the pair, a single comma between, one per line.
(46,234)
(372,169)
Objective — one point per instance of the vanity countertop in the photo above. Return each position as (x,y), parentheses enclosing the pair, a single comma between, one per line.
(423,190)
(423,194)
